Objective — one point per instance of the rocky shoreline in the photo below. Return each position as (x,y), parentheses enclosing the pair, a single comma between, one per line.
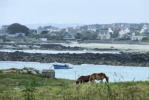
(30,46)
(124,59)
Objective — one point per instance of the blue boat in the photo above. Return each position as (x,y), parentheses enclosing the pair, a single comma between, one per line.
(56,66)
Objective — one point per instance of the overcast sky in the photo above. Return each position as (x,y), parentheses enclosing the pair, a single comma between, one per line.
(73,11)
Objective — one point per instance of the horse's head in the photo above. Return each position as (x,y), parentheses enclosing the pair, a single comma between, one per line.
(77,82)
(105,76)
(107,79)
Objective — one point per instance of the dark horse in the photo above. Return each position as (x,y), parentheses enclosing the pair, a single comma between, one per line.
(99,76)
(83,79)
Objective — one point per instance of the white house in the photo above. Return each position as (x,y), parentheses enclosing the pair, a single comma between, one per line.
(144,29)
(3,30)
(91,28)
(16,35)
(52,34)
(110,30)
(136,37)
(39,30)
(44,39)
(139,38)
(103,35)
(68,36)
(123,32)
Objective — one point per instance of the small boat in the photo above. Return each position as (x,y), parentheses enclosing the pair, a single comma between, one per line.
(57,66)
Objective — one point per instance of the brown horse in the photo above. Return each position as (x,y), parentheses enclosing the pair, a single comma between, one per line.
(83,79)
(99,76)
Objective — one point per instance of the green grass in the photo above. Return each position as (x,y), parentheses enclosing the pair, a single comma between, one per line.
(34,87)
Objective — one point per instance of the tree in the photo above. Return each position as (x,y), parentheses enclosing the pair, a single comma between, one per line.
(18,28)
(44,32)
(4,38)
(78,36)
(115,34)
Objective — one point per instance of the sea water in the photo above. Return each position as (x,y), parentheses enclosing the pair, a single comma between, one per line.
(115,73)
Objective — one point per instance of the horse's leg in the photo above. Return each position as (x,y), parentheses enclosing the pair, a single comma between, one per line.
(92,81)
(81,82)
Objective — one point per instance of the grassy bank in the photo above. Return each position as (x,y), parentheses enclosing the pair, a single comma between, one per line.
(34,87)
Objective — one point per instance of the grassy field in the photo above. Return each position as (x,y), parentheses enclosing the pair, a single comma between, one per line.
(34,87)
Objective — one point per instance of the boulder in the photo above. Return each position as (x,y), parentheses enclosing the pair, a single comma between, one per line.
(29,70)
(25,70)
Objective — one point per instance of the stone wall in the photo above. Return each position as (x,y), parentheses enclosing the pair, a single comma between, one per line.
(131,59)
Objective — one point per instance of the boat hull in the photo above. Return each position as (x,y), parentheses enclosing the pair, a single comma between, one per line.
(61,67)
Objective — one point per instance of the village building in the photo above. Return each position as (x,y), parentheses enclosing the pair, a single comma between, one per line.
(135,37)
(43,39)
(40,30)
(144,30)
(92,29)
(110,31)
(52,34)
(104,35)
(123,33)
(16,35)
(68,36)
(3,30)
